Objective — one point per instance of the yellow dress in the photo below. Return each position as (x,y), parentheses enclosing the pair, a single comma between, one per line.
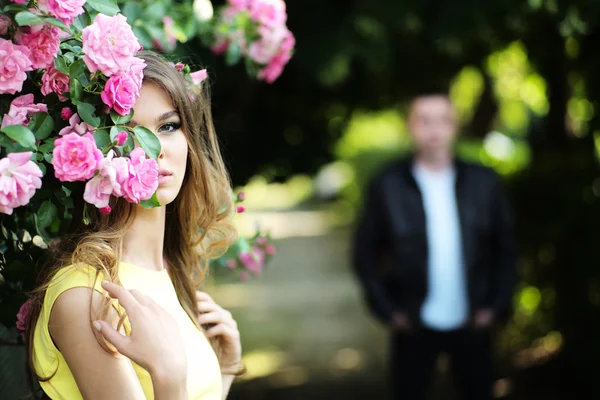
(204,374)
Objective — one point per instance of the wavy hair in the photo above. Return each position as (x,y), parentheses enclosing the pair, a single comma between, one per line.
(198,224)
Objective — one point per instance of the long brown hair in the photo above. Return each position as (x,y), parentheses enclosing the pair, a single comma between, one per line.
(198,224)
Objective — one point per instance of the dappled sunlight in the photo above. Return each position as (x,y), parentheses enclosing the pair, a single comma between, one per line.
(261,363)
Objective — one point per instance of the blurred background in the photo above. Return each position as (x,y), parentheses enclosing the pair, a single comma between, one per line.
(524,77)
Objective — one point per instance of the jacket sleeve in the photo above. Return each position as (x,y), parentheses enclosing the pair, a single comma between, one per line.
(504,251)
(368,241)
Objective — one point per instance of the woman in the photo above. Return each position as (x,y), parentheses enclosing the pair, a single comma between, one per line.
(151,261)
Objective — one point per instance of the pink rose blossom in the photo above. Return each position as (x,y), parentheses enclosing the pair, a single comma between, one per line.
(76,126)
(272,71)
(5,22)
(263,50)
(179,66)
(231,263)
(109,45)
(120,93)
(268,12)
(270,249)
(143,179)
(112,175)
(198,76)
(19,179)
(65,10)
(23,318)
(220,47)
(54,81)
(66,113)
(121,138)
(241,209)
(43,44)
(14,63)
(239,5)
(105,210)
(75,157)
(242,196)
(136,71)
(254,260)
(261,240)
(21,110)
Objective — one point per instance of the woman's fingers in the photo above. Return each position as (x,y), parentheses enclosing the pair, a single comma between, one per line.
(126,299)
(112,336)
(222,330)
(203,296)
(204,306)
(216,317)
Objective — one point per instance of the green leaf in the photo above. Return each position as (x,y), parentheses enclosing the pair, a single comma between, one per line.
(86,112)
(119,119)
(132,10)
(46,214)
(56,22)
(42,167)
(41,125)
(102,139)
(47,148)
(21,135)
(78,71)
(150,203)
(143,36)
(82,21)
(108,7)
(61,65)
(233,55)
(15,7)
(76,91)
(154,12)
(148,141)
(25,18)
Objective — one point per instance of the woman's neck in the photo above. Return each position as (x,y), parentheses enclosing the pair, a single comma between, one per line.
(143,243)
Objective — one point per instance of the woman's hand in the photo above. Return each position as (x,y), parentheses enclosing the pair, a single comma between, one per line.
(155,343)
(224,328)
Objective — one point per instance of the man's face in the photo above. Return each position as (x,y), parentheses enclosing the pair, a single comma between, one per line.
(432,124)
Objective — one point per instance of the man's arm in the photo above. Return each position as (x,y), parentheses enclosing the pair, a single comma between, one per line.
(504,251)
(367,244)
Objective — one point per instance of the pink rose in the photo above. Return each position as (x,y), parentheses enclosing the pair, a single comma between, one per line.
(241,196)
(270,249)
(5,22)
(263,50)
(268,12)
(65,114)
(99,189)
(105,210)
(220,47)
(65,10)
(75,158)
(179,66)
(231,263)
(21,110)
(121,138)
(109,45)
(14,62)
(120,93)
(76,126)
(272,71)
(254,260)
(261,240)
(198,76)
(241,209)
(43,44)
(23,318)
(136,71)
(54,81)
(143,179)
(239,5)
(19,179)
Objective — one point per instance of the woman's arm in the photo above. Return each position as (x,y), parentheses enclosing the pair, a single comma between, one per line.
(153,345)
(99,375)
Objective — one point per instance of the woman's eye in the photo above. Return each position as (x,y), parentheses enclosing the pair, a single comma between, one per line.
(169,127)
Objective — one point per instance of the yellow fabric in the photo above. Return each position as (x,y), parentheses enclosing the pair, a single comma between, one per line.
(204,375)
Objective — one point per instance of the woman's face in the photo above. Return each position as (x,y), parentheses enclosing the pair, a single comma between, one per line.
(154,110)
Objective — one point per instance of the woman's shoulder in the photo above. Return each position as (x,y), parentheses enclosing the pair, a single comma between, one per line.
(73,276)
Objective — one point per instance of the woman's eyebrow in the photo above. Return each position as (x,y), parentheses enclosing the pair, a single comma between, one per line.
(161,118)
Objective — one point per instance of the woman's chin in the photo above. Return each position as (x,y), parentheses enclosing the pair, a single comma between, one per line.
(165,195)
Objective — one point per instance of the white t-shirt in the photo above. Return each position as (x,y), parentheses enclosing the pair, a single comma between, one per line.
(446,305)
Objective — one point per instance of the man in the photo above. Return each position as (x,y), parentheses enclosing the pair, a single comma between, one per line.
(434,251)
